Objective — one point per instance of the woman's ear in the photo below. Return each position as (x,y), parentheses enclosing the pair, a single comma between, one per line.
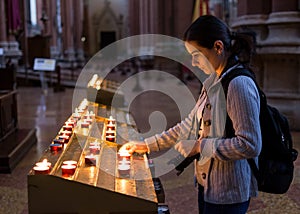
(219,47)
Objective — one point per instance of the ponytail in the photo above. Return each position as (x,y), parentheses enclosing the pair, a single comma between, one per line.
(243,46)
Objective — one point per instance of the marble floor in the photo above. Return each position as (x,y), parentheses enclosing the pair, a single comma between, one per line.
(47,113)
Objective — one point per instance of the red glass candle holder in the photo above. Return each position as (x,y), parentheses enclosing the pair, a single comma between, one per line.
(111,126)
(55,147)
(89,120)
(67,128)
(70,162)
(59,141)
(94,149)
(111,120)
(41,170)
(68,170)
(65,132)
(64,137)
(110,138)
(90,160)
(76,116)
(124,169)
(85,124)
(70,123)
(123,155)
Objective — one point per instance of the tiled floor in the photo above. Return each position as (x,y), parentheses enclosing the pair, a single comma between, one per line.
(47,114)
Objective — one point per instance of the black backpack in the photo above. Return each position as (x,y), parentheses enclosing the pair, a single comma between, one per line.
(276,160)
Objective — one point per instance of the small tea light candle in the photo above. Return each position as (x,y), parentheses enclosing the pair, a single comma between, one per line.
(123,155)
(54,147)
(41,170)
(70,162)
(95,149)
(110,132)
(85,124)
(65,132)
(64,137)
(59,141)
(68,170)
(76,115)
(70,123)
(44,163)
(110,126)
(95,143)
(92,114)
(89,120)
(112,120)
(81,110)
(90,159)
(87,115)
(110,138)
(124,168)
(67,128)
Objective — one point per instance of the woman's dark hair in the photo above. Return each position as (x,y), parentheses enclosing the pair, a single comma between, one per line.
(208,29)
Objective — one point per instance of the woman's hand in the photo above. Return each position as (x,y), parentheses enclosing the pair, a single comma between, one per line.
(135,146)
(188,148)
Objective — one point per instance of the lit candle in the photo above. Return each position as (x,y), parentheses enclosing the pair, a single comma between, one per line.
(88,120)
(112,120)
(54,147)
(68,170)
(81,110)
(67,128)
(65,132)
(41,170)
(110,135)
(123,154)
(87,115)
(110,126)
(70,123)
(64,137)
(95,143)
(58,141)
(70,162)
(110,138)
(85,124)
(92,114)
(124,168)
(76,114)
(44,163)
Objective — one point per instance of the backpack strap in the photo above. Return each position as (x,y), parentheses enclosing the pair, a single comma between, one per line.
(229,131)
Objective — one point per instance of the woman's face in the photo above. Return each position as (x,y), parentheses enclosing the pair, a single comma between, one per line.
(205,59)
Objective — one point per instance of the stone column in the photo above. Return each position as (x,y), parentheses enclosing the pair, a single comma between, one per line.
(3,32)
(280,52)
(78,29)
(253,14)
(67,20)
(54,50)
(284,23)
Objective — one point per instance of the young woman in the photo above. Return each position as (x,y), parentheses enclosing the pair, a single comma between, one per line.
(224,177)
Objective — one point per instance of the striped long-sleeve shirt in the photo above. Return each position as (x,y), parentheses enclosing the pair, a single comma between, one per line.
(223,169)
